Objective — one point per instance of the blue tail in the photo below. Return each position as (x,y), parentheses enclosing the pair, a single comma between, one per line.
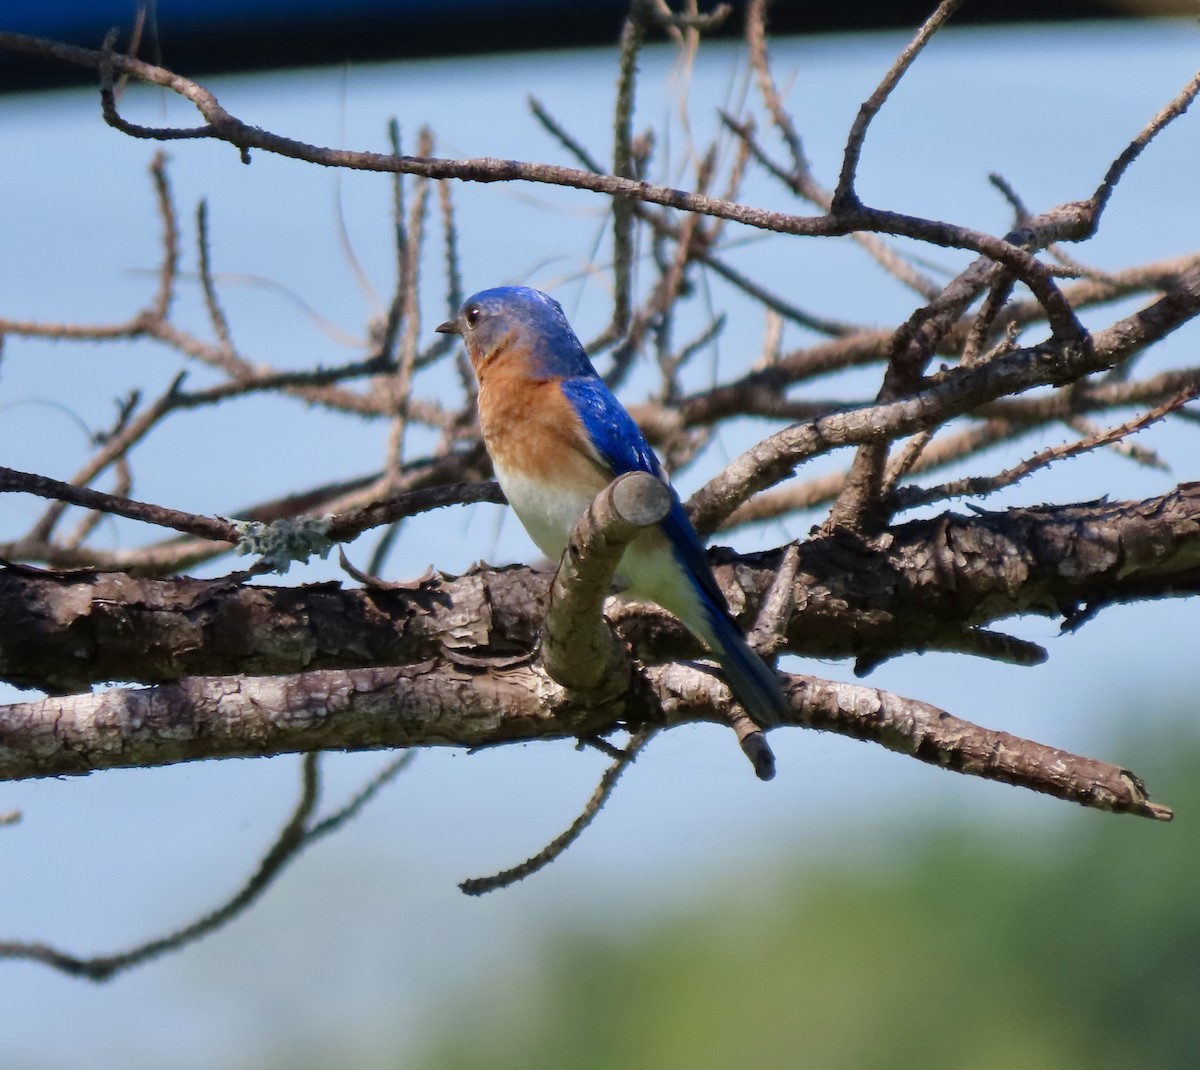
(753,682)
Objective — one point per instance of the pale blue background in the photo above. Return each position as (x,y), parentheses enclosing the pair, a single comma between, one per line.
(367,934)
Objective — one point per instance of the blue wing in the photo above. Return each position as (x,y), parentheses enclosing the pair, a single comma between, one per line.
(620,444)
(610,428)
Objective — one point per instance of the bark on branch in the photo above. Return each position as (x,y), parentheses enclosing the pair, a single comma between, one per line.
(238,670)
(951,393)
(579,649)
(438,703)
(924,585)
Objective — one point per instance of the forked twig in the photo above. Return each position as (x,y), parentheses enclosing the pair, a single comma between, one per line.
(299,832)
(844,196)
(978,486)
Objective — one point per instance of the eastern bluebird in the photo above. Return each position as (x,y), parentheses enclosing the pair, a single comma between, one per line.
(557,437)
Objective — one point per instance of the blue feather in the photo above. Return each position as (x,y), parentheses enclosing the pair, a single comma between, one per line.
(610,428)
(620,443)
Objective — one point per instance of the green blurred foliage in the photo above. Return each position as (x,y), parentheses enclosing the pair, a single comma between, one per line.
(974,950)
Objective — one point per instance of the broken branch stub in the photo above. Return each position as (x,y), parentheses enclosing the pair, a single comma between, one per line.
(579,649)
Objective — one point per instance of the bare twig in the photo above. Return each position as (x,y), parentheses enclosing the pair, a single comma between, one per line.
(632,36)
(216,314)
(1133,150)
(299,832)
(800,178)
(950,394)
(979,486)
(408,305)
(168,271)
(554,849)
(221,125)
(29,483)
(844,196)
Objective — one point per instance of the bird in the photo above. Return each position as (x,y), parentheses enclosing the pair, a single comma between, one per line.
(557,436)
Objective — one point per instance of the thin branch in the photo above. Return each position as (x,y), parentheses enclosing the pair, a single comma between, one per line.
(844,196)
(800,178)
(984,323)
(821,490)
(756,47)
(952,393)
(216,314)
(351,523)
(295,836)
(340,527)
(168,271)
(1091,395)
(1133,150)
(664,226)
(555,848)
(221,125)
(980,486)
(91,520)
(633,34)
(206,527)
(862,503)
(1121,446)
(408,304)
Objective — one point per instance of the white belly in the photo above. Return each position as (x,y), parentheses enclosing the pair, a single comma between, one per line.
(648,568)
(548,511)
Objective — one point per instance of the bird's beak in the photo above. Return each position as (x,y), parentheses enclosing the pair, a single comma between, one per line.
(449,327)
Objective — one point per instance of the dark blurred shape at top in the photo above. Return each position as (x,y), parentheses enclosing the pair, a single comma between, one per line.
(198,37)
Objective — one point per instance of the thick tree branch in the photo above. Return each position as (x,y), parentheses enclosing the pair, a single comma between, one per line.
(918,587)
(934,736)
(438,704)
(504,655)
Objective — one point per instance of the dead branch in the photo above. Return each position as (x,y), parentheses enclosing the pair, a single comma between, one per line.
(219,124)
(555,848)
(236,670)
(440,703)
(300,831)
(579,650)
(936,737)
(952,393)
(916,588)
(977,486)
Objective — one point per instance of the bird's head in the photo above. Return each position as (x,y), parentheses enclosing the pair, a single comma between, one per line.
(522,328)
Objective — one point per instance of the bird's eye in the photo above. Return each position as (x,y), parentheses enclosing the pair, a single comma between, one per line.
(472,315)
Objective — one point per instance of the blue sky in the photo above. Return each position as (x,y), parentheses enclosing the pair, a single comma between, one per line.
(369,927)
